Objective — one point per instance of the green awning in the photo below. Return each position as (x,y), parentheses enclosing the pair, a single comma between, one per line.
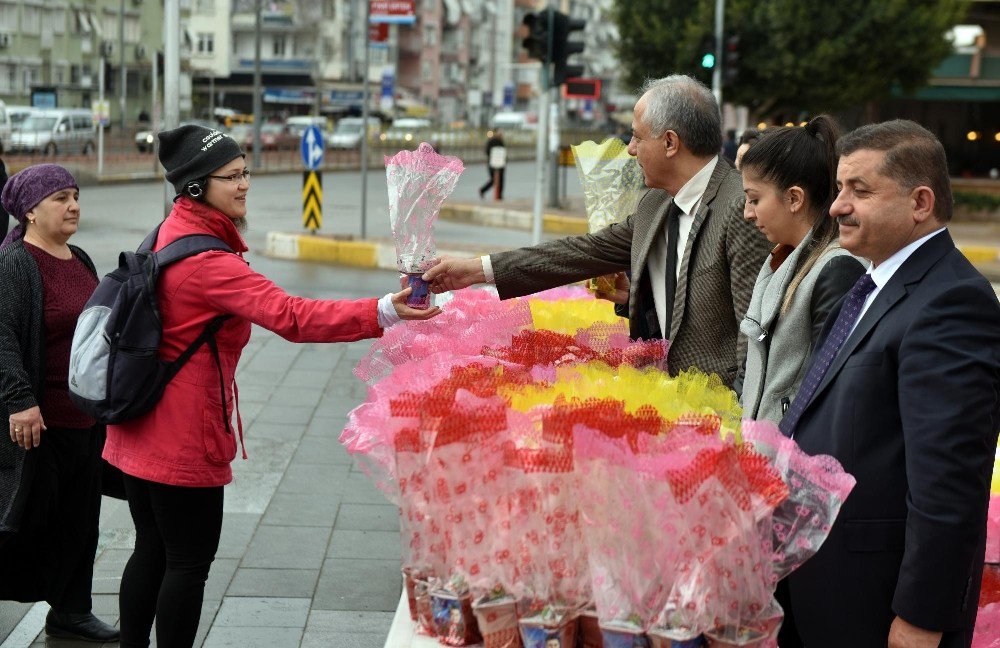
(951,93)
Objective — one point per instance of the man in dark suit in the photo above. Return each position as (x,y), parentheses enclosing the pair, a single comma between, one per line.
(904,393)
(692,256)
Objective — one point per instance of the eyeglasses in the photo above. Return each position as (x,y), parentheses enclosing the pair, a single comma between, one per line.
(236,177)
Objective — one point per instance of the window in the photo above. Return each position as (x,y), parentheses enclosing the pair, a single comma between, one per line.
(426,71)
(133,31)
(60,75)
(206,42)
(54,21)
(30,77)
(430,35)
(82,22)
(8,16)
(31,19)
(8,76)
(278,46)
(109,25)
(204,6)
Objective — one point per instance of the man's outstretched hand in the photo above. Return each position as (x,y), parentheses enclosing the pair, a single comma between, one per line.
(451,273)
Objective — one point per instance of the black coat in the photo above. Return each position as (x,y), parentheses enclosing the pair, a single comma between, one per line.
(22,365)
(4,216)
(910,407)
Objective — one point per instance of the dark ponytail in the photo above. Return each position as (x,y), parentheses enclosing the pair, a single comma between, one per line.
(805,157)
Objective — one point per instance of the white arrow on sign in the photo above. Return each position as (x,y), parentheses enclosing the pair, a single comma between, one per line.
(315,152)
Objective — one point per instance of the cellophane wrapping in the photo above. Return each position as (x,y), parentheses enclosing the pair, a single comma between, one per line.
(418,183)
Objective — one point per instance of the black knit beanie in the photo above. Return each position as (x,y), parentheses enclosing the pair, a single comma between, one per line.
(190,152)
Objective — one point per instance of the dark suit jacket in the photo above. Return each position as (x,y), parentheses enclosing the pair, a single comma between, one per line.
(720,264)
(911,408)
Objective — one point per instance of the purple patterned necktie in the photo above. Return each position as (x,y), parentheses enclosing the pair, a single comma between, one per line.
(849,313)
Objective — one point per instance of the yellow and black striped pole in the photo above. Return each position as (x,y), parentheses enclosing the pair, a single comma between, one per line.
(312,200)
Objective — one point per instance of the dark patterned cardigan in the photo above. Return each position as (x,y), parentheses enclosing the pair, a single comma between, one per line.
(22,366)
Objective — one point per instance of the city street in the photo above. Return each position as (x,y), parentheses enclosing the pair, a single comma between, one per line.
(310,549)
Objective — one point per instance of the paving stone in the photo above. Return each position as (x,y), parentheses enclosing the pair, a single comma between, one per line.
(301,509)
(333,405)
(339,640)
(229,637)
(367,517)
(209,608)
(319,479)
(265,454)
(322,449)
(326,427)
(299,396)
(274,582)
(360,489)
(263,612)
(319,356)
(286,415)
(260,377)
(219,578)
(287,547)
(308,378)
(364,544)
(353,622)
(250,393)
(371,585)
(237,530)
(278,431)
(250,492)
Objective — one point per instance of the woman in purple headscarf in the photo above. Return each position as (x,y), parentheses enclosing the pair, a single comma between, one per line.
(50,489)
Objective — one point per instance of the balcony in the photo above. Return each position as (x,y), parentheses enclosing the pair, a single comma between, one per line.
(293,66)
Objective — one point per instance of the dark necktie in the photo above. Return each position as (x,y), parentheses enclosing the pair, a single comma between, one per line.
(670,277)
(848,315)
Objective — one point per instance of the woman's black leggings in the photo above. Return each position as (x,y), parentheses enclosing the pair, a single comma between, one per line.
(177,533)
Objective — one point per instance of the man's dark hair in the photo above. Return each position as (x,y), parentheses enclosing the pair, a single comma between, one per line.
(914,157)
(749,136)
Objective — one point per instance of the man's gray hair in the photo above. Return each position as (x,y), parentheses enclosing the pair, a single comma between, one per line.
(687,107)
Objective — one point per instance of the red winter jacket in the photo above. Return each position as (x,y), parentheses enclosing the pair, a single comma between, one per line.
(183,441)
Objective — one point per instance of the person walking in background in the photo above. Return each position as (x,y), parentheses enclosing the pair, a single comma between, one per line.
(496,164)
(729,146)
(903,393)
(50,470)
(789,178)
(691,254)
(176,458)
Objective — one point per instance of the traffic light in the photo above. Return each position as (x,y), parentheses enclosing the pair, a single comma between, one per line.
(708,52)
(731,59)
(562,48)
(537,39)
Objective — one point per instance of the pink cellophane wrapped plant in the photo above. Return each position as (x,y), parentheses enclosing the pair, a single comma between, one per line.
(418,181)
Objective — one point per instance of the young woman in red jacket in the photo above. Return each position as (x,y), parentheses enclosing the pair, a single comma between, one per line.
(176,458)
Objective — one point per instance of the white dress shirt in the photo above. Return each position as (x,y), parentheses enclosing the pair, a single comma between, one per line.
(688,199)
(883,273)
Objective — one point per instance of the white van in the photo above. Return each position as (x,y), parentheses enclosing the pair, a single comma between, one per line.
(10,119)
(58,130)
(349,130)
(513,121)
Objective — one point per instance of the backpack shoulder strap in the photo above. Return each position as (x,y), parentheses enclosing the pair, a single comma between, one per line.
(150,240)
(189,246)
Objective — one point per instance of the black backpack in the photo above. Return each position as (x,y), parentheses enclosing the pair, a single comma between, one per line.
(115,373)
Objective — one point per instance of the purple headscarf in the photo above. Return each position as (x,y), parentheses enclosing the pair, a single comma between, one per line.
(28,187)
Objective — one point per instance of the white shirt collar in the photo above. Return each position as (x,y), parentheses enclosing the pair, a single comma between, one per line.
(883,273)
(689,195)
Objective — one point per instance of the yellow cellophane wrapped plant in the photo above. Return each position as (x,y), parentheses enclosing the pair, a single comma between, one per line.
(570,315)
(612,186)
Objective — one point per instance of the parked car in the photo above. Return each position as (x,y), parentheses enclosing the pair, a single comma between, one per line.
(63,130)
(11,118)
(243,134)
(350,130)
(277,137)
(145,140)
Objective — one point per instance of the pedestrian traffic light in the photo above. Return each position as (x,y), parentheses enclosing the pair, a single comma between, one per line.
(731,59)
(536,40)
(708,52)
(562,48)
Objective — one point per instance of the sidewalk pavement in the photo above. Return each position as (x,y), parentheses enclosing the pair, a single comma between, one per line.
(979,241)
(310,548)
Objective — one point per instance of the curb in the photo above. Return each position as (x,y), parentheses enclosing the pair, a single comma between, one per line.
(358,254)
(512,219)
